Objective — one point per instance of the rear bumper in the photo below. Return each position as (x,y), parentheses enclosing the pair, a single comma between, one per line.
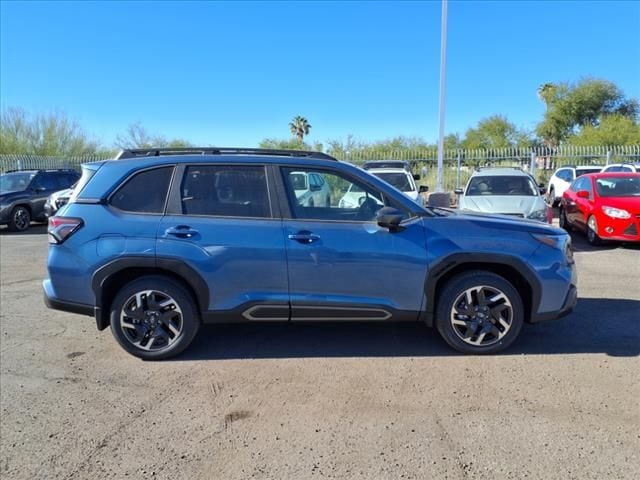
(569,304)
(56,304)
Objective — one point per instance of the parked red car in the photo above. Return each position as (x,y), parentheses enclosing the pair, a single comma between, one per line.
(604,205)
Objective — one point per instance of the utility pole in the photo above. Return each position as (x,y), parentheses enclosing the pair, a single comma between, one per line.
(443,76)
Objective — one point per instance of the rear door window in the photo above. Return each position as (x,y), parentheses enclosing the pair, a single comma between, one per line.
(225,191)
(144,192)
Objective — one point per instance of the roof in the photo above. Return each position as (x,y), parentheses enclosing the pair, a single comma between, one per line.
(399,164)
(611,174)
(501,172)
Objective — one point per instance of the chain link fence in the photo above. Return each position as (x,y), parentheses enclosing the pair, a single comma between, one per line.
(458,164)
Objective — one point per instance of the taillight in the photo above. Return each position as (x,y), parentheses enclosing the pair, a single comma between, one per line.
(61,228)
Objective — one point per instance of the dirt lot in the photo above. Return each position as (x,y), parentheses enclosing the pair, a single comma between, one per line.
(336,401)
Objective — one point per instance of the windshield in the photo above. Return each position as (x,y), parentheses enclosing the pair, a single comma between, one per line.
(502,185)
(618,186)
(399,180)
(584,171)
(16,182)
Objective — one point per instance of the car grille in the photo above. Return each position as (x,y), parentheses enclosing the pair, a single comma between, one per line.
(631,230)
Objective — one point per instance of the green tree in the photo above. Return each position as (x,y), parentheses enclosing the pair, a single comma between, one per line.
(136,136)
(290,144)
(495,132)
(612,130)
(572,107)
(299,127)
(52,134)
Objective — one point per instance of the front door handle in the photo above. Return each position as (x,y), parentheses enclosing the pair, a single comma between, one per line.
(304,237)
(181,231)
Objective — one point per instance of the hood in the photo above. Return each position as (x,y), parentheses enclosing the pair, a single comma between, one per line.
(630,204)
(6,197)
(507,204)
(61,193)
(502,222)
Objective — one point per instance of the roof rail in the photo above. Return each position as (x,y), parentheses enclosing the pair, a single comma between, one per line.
(156,152)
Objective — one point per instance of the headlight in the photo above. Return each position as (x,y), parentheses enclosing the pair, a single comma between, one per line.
(540,215)
(616,212)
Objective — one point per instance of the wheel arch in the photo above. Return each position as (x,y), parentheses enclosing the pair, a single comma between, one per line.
(514,270)
(108,279)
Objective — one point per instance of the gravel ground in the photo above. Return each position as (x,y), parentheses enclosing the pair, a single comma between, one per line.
(308,401)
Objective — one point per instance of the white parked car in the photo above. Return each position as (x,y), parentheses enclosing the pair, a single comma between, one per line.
(563,177)
(622,167)
(311,189)
(398,174)
(504,191)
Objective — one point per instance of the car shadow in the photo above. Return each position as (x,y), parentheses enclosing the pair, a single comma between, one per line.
(598,325)
(580,243)
(34,229)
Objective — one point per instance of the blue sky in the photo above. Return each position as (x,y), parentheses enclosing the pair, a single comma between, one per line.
(235,73)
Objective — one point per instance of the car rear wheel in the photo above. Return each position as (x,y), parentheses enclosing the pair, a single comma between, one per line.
(592,231)
(553,201)
(154,318)
(479,313)
(20,219)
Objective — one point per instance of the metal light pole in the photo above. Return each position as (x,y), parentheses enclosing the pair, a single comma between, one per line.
(443,75)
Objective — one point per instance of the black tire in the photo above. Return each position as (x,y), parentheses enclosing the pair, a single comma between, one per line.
(501,320)
(20,219)
(328,204)
(311,203)
(553,201)
(185,320)
(592,231)
(562,220)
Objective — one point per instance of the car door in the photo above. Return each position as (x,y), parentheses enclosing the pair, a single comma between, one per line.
(570,201)
(584,206)
(221,221)
(43,185)
(341,264)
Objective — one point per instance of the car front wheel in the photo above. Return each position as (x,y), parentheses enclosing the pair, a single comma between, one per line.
(592,231)
(20,219)
(479,313)
(154,318)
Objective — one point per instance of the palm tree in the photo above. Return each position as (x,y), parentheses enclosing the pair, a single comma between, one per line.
(299,127)
(547,92)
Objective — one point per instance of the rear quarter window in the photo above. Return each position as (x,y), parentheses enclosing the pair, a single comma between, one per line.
(144,192)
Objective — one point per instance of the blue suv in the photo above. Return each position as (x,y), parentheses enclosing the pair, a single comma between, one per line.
(156,242)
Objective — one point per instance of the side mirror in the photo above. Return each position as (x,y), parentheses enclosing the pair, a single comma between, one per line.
(315,188)
(582,194)
(416,176)
(541,185)
(458,191)
(423,189)
(542,190)
(389,217)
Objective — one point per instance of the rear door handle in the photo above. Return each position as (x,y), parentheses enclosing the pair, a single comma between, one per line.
(304,237)
(181,231)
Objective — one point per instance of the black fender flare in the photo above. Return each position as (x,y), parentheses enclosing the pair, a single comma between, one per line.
(172,266)
(446,264)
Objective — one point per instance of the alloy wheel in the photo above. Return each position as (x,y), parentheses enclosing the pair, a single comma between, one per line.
(21,219)
(481,315)
(151,320)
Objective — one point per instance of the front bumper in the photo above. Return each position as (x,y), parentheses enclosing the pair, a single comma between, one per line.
(567,307)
